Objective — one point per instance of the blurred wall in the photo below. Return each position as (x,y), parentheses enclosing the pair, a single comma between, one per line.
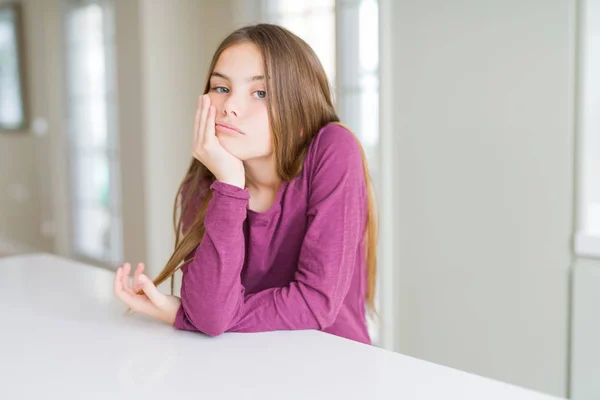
(482,127)
(26,205)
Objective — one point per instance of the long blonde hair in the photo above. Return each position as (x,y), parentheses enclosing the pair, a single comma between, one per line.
(299,104)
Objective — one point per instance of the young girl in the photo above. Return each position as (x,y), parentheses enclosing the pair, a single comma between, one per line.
(277,229)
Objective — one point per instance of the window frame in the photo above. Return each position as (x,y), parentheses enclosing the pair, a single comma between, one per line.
(587,243)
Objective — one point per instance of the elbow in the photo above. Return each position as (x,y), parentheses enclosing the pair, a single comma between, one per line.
(211,316)
(213,329)
(210,321)
(321,309)
(209,324)
(326,319)
(324,316)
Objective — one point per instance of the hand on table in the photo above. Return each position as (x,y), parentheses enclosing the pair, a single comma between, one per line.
(144,297)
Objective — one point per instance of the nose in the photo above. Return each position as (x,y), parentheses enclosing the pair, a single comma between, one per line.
(230,107)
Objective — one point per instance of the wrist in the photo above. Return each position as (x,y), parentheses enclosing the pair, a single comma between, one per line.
(237,182)
(170,319)
(171,313)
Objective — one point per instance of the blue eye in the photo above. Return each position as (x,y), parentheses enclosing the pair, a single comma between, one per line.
(261,94)
(220,89)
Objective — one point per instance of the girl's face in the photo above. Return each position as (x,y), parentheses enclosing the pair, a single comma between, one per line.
(238,91)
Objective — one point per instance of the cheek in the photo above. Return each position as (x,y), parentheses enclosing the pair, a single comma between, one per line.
(215,100)
(261,119)
(260,142)
(265,129)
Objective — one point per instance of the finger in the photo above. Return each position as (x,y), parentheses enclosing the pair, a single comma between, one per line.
(136,302)
(197,118)
(125,278)
(203,119)
(119,290)
(209,133)
(155,296)
(138,271)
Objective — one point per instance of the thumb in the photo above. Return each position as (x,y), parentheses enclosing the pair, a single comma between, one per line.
(150,290)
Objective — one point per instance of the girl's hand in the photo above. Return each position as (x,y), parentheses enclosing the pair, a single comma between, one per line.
(208,150)
(150,300)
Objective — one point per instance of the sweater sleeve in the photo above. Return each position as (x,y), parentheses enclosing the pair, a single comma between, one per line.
(336,222)
(211,285)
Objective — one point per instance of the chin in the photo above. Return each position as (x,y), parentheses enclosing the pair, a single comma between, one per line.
(231,148)
(239,149)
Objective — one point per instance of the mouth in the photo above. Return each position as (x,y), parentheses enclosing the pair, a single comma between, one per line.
(230,129)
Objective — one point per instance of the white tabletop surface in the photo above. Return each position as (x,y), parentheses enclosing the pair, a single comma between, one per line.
(64,336)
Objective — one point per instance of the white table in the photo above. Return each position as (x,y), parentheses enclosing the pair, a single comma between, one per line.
(64,336)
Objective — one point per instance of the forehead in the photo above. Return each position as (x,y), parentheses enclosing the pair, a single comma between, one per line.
(240,61)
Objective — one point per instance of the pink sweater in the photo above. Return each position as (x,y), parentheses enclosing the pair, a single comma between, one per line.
(299,265)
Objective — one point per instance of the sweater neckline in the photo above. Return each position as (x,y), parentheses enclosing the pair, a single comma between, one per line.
(275,207)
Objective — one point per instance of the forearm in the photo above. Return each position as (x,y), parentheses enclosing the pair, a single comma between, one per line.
(211,287)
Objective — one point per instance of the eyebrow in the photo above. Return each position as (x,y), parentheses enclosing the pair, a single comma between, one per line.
(252,79)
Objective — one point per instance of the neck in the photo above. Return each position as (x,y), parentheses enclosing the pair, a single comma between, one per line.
(261,174)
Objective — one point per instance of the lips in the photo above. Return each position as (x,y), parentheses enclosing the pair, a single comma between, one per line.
(228,128)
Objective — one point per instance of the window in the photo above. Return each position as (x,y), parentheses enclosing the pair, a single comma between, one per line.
(12,110)
(587,240)
(92,137)
(358,69)
(313,21)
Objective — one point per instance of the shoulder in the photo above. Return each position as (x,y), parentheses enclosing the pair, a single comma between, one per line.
(334,143)
(336,137)
(334,169)
(334,160)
